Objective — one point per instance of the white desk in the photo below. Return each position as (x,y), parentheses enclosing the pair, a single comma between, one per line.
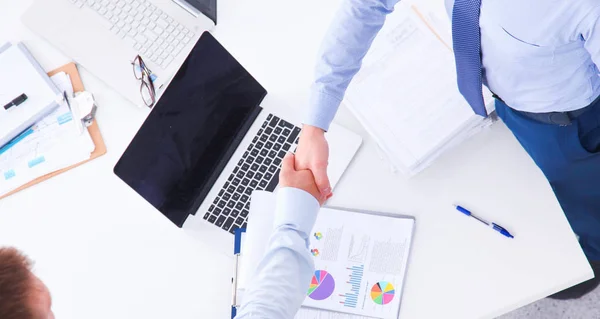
(105,253)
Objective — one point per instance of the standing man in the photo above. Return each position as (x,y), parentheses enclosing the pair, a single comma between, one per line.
(538,57)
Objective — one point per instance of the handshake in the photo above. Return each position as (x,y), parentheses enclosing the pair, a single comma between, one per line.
(307,170)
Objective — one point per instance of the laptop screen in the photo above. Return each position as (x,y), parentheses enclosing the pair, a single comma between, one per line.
(192,131)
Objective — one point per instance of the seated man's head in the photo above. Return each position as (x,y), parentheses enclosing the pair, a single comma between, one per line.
(22,294)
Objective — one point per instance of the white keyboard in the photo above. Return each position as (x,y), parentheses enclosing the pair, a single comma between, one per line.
(148,30)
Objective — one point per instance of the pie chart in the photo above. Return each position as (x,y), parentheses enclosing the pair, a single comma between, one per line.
(321,286)
(382,293)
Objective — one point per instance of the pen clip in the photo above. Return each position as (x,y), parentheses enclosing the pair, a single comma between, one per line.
(502,230)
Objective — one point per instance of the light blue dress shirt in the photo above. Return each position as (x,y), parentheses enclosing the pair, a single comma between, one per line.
(538,55)
(287,267)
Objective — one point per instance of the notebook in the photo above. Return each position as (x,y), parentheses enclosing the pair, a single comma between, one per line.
(21,74)
(361,259)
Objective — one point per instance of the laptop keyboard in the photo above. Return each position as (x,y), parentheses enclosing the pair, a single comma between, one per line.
(258,169)
(146,29)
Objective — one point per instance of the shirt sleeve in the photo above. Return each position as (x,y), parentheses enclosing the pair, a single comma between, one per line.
(590,32)
(346,43)
(287,267)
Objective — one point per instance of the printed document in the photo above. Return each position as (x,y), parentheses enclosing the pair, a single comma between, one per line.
(360,260)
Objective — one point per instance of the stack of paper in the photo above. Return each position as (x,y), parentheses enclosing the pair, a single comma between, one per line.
(50,145)
(406,95)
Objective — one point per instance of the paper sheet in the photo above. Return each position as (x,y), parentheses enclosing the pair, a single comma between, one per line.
(51,144)
(63,81)
(360,270)
(406,95)
(366,257)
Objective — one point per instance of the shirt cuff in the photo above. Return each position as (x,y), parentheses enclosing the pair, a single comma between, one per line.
(322,109)
(296,208)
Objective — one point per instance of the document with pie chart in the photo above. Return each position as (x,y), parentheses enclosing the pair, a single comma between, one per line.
(361,260)
(360,257)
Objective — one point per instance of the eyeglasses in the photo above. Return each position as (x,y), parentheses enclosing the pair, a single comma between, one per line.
(143,73)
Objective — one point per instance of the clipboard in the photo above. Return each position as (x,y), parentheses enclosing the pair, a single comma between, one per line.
(94,130)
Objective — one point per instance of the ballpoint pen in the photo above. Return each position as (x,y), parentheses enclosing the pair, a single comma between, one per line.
(494,226)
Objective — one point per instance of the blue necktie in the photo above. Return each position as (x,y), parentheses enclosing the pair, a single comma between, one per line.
(467,52)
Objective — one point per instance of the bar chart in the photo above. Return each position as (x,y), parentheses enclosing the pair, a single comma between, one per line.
(356,276)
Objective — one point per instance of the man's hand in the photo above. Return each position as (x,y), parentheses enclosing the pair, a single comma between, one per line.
(313,154)
(301,179)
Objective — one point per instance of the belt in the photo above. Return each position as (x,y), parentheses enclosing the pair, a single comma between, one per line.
(556,118)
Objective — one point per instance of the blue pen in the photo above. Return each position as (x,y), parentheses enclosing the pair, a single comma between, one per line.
(17,139)
(496,227)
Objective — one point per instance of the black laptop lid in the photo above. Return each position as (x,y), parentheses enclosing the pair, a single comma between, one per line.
(193,130)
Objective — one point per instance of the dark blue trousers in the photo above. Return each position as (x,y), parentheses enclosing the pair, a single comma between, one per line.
(569,156)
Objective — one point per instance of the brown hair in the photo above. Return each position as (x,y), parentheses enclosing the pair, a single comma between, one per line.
(15,285)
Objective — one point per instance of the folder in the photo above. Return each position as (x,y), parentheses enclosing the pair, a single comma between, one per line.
(94,130)
(237,250)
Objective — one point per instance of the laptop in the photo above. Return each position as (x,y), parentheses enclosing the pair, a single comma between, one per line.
(210,141)
(105,36)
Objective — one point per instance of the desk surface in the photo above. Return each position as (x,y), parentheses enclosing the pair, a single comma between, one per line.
(106,253)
